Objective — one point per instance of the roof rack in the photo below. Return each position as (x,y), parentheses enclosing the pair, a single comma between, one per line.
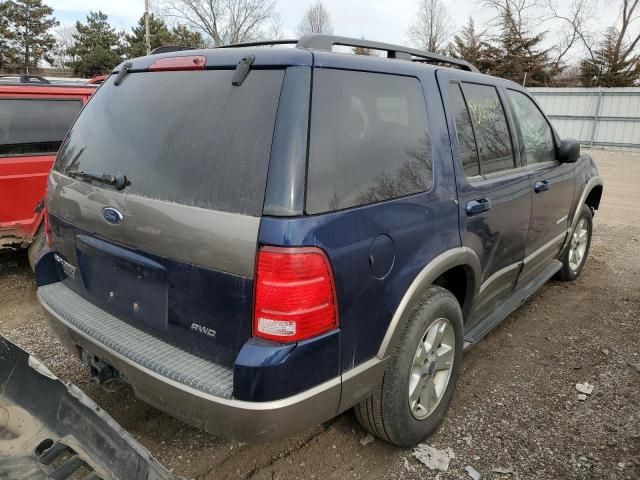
(22,78)
(326,42)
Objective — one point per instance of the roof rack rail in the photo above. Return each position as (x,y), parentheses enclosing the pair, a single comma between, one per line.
(170,48)
(326,42)
(23,78)
(264,43)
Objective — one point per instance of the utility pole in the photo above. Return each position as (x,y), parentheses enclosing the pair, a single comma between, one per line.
(147,40)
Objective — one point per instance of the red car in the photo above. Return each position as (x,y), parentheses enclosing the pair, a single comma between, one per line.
(35,115)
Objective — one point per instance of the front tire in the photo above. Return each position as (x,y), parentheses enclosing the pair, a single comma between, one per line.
(575,254)
(421,374)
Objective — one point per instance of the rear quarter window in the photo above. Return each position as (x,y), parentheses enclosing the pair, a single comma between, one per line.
(369,140)
(34,126)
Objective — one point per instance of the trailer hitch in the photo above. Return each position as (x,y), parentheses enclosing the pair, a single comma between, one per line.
(103,374)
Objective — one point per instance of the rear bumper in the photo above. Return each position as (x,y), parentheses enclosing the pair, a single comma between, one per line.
(186,399)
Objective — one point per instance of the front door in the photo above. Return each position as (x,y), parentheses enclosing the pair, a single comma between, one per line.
(552,185)
(493,191)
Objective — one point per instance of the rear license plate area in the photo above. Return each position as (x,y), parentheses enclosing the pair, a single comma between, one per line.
(124,283)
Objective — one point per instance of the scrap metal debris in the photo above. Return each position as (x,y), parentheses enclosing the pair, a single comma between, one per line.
(585,388)
(472,472)
(433,458)
(368,440)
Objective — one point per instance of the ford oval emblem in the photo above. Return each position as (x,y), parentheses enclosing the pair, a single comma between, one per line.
(112,215)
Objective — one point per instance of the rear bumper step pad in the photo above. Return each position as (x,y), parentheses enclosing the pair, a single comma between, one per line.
(136,345)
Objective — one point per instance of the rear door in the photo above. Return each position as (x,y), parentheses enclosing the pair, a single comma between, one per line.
(32,128)
(552,184)
(493,190)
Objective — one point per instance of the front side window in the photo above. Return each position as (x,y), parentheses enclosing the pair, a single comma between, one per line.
(369,140)
(536,132)
(490,126)
(31,127)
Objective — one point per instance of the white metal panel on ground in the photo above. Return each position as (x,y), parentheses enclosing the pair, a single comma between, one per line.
(598,117)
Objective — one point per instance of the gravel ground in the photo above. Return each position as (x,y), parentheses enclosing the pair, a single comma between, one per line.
(516,408)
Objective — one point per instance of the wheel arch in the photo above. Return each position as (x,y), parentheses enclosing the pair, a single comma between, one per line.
(445,268)
(592,192)
(594,197)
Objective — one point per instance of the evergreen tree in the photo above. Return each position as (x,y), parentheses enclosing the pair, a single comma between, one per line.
(610,67)
(472,46)
(183,37)
(96,47)
(522,56)
(8,54)
(362,50)
(29,22)
(159,35)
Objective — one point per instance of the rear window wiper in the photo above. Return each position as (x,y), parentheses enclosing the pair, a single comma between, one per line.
(116,181)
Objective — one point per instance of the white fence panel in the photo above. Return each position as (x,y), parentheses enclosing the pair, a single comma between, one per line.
(597,117)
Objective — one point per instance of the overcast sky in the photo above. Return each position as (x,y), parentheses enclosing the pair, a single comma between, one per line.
(383,20)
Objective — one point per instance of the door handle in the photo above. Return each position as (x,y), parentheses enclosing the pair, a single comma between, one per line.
(480,205)
(541,186)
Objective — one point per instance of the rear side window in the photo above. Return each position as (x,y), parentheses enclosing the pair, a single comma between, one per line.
(187,137)
(369,140)
(490,126)
(35,126)
(466,139)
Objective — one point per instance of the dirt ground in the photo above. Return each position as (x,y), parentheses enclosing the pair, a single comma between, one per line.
(516,406)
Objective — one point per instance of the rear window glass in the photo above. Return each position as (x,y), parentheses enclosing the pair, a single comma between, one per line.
(35,126)
(369,140)
(188,137)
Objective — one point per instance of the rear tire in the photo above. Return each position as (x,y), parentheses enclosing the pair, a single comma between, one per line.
(575,253)
(421,374)
(36,247)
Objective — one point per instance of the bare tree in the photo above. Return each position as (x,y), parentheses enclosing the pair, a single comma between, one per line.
(628,15)
(315,20)
(224,21)
(575,29)
(274,28)
(432,26)
(64,41)
(615,60)
(522,11)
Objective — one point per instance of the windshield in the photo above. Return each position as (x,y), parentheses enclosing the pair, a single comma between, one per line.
(188,137)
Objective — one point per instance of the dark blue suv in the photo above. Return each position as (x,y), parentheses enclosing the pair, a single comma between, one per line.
(258,238)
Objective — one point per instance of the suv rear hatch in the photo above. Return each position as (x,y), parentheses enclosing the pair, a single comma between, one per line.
(173,252)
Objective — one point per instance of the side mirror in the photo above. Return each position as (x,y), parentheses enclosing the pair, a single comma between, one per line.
(568,151)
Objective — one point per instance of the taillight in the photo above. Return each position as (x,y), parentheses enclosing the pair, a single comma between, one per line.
(193,62)
(294,294)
